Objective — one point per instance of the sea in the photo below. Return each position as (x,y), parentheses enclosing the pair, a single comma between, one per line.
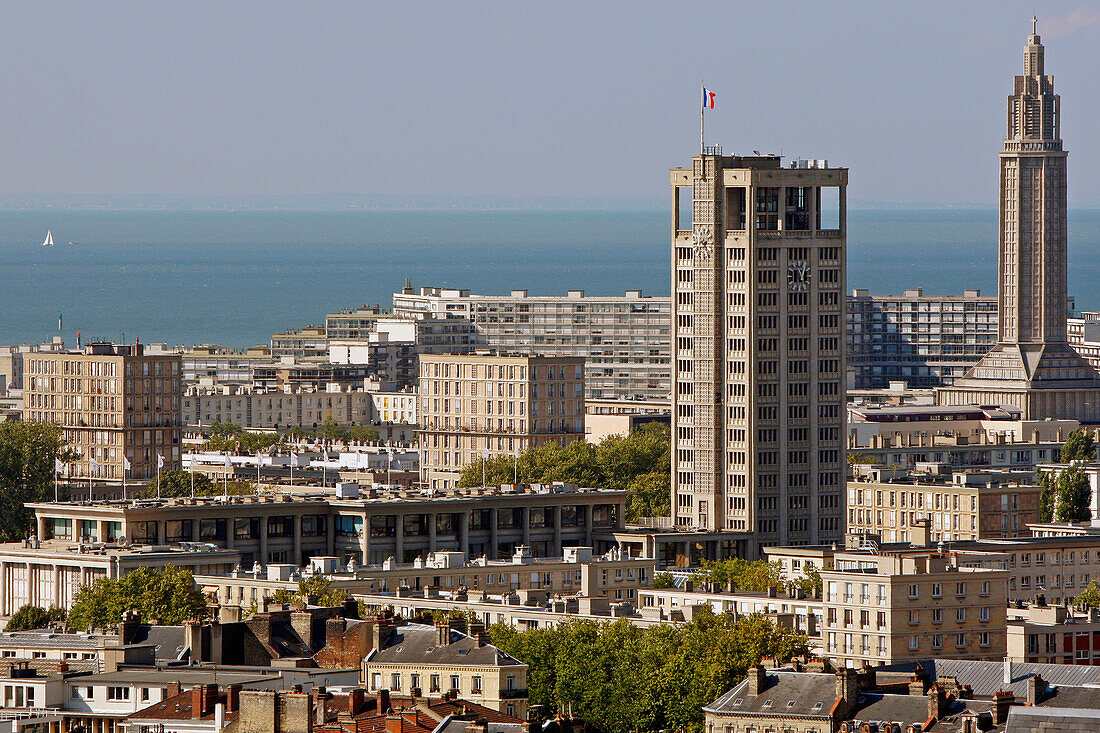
(235,277)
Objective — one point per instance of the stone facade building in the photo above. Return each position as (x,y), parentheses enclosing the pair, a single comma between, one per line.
(114,403)
(758,350)
(475,405)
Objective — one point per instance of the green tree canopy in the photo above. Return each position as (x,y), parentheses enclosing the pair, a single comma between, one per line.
(178,483)
(1079,446)
(34,617)
(1074,496)
(1048,497)
(755,576)
(1090,596)
(318,588)
(168,594)
(624,678)
(27,454)
(639,462)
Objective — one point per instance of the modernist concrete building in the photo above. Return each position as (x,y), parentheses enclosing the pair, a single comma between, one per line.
(114,403)
(923,340)
(624,339)
(758,349)
(371,528)
(476,405)
(1032,366)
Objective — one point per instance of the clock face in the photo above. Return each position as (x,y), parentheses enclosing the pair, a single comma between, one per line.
(798,275)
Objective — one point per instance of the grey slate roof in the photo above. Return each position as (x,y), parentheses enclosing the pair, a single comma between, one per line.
(812,693)
(1046,720)
(169,641)
(419,644)
(987,677)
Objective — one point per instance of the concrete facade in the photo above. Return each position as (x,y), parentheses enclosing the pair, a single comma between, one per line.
(758,349)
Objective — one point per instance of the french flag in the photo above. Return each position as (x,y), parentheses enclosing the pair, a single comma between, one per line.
(708,99)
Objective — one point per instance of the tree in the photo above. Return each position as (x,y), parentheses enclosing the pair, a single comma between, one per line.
(625,678)
(1079,446)
(663,580)
(1048,496)
(639,462)
(1090,596)
(34,617)
(810,580)
(27,454)
(316,590)
(1074,496)
(756,576)
(168,594)
(178,483)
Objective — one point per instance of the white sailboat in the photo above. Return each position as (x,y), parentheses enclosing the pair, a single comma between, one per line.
(49,239)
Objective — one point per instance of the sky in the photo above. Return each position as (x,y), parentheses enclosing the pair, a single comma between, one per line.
(524,99)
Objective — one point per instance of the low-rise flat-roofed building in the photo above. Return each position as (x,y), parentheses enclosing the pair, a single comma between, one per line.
(960,505)
(49,572)
(875,425)
(371,527)
(1042,633)
(475,405)
(114,403)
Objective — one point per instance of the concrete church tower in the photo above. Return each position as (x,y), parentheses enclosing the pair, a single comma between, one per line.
(1032,366)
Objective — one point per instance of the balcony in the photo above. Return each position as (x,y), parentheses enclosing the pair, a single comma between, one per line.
(516,694)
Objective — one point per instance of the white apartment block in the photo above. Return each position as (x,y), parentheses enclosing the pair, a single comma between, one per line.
(624,339)
(758,319)
(271,409)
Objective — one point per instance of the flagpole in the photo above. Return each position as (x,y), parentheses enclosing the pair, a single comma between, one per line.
(702,117)
(55,472)
(124,467)
(191,465)
(158,475)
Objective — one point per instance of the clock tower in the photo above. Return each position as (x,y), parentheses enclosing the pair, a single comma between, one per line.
(758,275)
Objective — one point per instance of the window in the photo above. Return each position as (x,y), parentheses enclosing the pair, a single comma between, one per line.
(960,590)
(937,590)
(983,638)
(376,681)
(960,615)
(145,694)
(937,615)
(960,640)
(937,641)
(395,681)
(118,693)
(983,613)
(475,684)
(913,591)
(434,683)
(454,682)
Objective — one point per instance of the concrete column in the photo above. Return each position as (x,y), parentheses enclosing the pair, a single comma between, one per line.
(263,541)
(230,533)
(101,530)
(365,540)
(587,511)
(557,531)
(57,586)
(527,525)
(297,519)
(464,533)
(195,530)
(162,531)
(399,538)
(330,532)
(494,516)
(41,532)
(431,532)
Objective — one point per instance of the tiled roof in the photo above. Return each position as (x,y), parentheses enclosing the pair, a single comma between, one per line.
(179,708)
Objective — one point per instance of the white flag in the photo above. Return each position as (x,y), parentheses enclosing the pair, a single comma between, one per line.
(485,453)
(229,461)
(125,463)
(294,459)
(93,466)
(389,454)
(58,466)
(160,461)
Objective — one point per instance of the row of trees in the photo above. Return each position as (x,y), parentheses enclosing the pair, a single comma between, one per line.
(178,483)
(227,436)
(639,462)
(625,678)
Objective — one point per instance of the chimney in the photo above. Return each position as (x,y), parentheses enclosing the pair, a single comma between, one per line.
(393,723)
(847,687)
(757,680)
(302,623)
(443,632)
(128,627)
(383,702)
(229,614)
(918,682)
(1002,702)
(192,639)
(1007,677)
(937,702)
(356,699)
(202,700)
(174,688)
(232,698)
(383,627)
(1036,686)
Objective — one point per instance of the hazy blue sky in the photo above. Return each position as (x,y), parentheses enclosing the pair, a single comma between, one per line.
(523,98)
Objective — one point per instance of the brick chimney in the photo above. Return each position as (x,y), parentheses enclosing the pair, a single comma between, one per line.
(128,626)
(1002,702)
(1036,687)
(918,684)
(380,635)
(302,623)
(937,702)
(758,680)
(203,698)
(174,688)
(383,702)
(443,633)
(357,698)
(232,698)
(393,723)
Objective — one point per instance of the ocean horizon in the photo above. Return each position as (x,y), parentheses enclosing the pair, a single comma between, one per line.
(236,277)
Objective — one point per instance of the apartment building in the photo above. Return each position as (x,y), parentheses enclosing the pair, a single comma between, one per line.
(1046,634)
(923,340)
(475,405)
(933,424)
(895,607)
(959,505)
(758,351)
(371,527)
(114,403)
(624,340)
